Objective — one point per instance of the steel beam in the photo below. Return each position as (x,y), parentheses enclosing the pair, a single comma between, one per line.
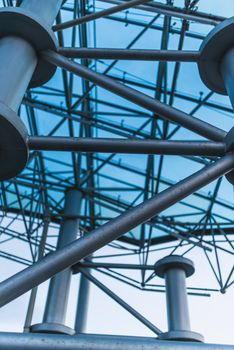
(81,248)
(120,301)
(105,145)
(100,14)
(196,125)
(177,12)
(27,341)
(125,54)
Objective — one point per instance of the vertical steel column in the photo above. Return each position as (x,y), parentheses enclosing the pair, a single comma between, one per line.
(82,305)
(175,269)
(57,299)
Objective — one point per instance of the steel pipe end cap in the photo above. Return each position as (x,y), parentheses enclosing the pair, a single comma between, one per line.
(182,336)
(52,328)
(212,50)
(25,24)
(13,143)
(174,261)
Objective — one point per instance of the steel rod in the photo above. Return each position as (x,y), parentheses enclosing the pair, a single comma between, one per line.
(177,12)
(82,304)
(27,341)
(124,54)
(100,14)
(33,295)
(196,125)
(93,265)
(106,145)
(81,248)
(120,301)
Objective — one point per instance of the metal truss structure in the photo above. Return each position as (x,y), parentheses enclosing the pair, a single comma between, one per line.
(114,133)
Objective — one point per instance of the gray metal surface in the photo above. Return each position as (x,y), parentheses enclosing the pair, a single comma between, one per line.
(19,341)
(126,146)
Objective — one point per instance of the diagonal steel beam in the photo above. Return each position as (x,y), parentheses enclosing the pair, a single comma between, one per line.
(196,125)
(75,251)
(100,14)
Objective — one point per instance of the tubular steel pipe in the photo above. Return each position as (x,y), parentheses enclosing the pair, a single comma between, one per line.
(18,62)
(100,14)
(196,125)
(106,145)
(82,305)
(27,341)
(124,54)
(120,301)
(18,57)
(83,247)
(56,305)
(45,9)
(177,12)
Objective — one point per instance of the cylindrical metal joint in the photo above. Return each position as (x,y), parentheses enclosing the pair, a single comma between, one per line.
(175,269)
(58,293)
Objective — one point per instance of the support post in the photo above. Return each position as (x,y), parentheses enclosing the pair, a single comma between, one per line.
(175,269)
(57,299)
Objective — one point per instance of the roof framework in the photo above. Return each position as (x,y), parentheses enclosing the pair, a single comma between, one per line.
(125,120)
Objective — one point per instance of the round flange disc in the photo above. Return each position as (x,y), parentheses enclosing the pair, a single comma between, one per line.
(182,336)
(53,328)
(174,261)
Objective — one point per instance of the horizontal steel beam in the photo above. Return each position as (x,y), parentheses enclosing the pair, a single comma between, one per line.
(86,245)
(93,265)
(105,145)
(30,341)
(96,15)
(194,124)
(125,54)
